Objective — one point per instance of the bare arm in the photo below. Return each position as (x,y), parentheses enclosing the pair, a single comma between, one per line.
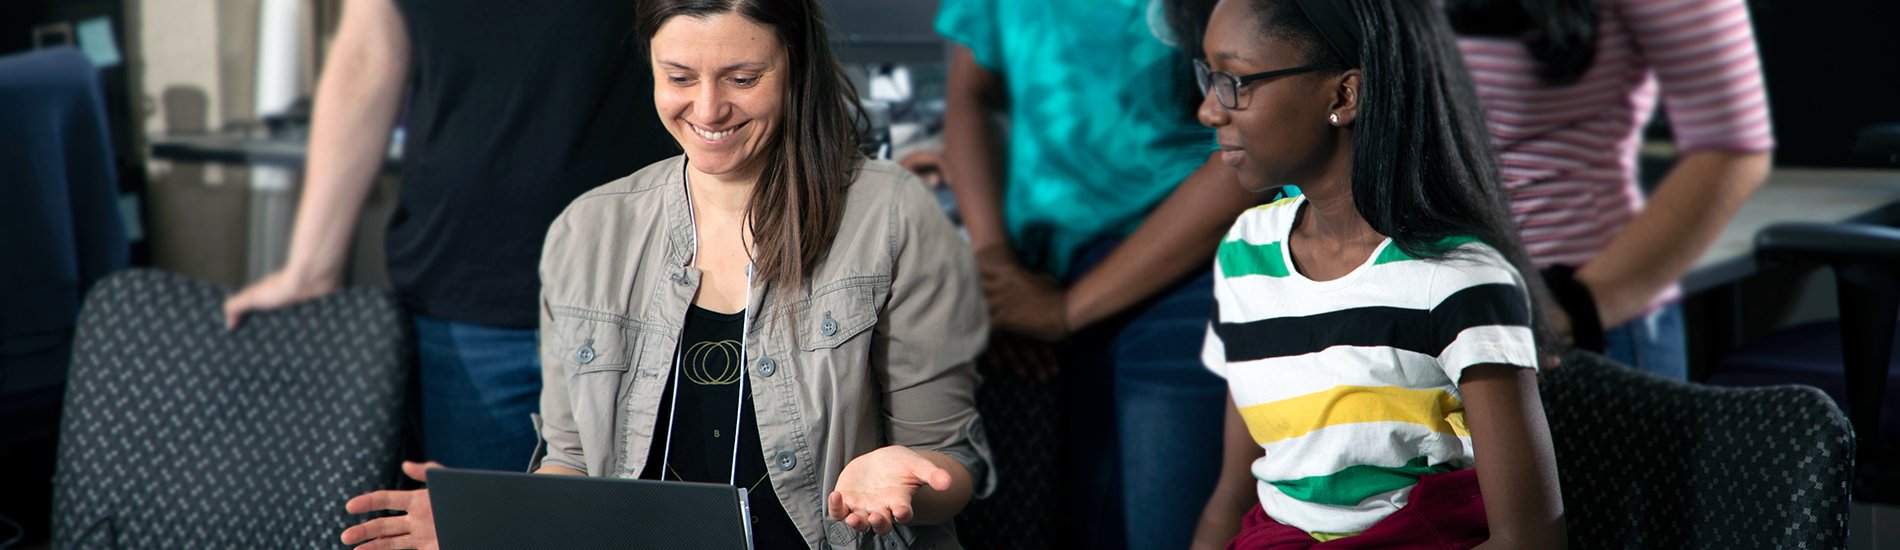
(1234,493)
(973,153)
(355,107)
(1517,471)
(1688,211)
(1179,236)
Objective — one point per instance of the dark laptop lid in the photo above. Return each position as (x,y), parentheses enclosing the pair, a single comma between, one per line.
(477,510)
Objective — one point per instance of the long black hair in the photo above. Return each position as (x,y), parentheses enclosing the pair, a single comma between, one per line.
(1187,20)
(1423,171)
(1560,34)
(799,201)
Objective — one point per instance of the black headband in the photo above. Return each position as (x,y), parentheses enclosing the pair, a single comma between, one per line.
(1336,24)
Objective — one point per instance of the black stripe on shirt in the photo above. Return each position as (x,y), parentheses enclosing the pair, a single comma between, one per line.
(1479,306)
(1415,330)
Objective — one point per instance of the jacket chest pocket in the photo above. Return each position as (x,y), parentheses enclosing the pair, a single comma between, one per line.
(592,346)
(833,317)
(834,329)
(596,355)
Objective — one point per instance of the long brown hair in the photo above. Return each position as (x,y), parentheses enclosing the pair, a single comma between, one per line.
(798,202)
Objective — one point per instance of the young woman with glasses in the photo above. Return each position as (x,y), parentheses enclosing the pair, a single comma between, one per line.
(1377,333)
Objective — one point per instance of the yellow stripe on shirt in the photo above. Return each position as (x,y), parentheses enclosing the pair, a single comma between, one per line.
(1269,206)
(1294,417)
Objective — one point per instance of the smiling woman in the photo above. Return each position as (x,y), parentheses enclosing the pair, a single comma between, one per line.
(769,310)
(720,100)
(753,93)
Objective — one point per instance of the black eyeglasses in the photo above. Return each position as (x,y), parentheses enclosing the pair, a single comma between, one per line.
(1227,85)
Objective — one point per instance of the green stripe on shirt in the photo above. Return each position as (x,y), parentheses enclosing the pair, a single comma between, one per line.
(1240,258)
(1393,254)
(1355,484)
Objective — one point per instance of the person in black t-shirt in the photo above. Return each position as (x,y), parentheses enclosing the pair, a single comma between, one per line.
(514,109)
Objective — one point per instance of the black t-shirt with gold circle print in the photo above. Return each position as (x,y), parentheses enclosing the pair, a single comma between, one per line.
(702,426)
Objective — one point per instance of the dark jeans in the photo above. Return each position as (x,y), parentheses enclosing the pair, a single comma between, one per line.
(479,384)
(1141,418)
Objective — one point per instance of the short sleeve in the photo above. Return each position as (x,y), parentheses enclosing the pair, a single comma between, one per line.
(1481,313)
(973,24)
(1704,56)
(1212,353)
(1213,349)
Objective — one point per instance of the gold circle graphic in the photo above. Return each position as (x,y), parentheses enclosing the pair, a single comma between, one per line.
(703,358)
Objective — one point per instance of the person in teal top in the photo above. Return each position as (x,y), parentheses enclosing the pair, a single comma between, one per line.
(1100,134)
(1094,203)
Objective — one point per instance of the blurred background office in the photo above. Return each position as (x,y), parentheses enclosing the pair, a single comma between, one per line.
(176,141)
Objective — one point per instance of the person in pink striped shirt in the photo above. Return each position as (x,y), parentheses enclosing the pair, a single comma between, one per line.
(1567,87)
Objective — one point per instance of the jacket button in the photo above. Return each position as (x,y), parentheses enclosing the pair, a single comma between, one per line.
(786,461)
(767,366)
(828,326)
(586,354)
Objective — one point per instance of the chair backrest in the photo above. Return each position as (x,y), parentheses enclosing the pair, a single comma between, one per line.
(179,434)
(1647,462)
(59,212)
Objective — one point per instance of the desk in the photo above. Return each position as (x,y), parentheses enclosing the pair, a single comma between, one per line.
(229,148)
(277,165)
(1716,316)
(1795,195)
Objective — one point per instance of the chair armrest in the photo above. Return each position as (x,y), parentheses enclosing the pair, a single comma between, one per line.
(1839,244)
(1879,140)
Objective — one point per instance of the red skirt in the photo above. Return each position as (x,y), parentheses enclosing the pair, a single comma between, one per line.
(1445,512)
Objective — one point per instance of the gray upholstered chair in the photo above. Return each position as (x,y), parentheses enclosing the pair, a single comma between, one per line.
(178,434)
(1647,462)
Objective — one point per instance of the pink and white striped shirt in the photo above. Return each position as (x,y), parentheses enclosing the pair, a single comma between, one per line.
(1569,152)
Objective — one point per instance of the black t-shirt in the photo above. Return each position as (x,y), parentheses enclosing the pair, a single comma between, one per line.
(711,363)
(515,109)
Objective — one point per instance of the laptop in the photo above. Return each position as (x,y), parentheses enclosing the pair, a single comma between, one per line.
(479,510)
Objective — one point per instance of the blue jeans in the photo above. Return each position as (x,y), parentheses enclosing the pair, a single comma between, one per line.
(479,384)
(1161,454)
(1654,343)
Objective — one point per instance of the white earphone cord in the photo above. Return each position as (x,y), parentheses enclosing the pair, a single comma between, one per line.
(745,335)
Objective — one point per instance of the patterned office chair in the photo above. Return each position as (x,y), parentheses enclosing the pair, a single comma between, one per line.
(1647,462)
(1852,358)
(177,434)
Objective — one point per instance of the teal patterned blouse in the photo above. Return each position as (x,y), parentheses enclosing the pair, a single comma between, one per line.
(1102,123)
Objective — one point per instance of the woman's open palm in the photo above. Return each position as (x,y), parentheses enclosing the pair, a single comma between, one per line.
(875,490)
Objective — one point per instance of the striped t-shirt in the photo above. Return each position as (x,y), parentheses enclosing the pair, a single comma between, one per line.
(1568,153)
(1350,385)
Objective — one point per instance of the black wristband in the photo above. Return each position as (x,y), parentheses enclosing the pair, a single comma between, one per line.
(1586,328)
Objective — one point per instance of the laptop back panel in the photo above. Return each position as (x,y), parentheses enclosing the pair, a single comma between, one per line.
(478,510)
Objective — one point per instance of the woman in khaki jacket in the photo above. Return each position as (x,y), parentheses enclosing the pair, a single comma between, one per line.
(769,310)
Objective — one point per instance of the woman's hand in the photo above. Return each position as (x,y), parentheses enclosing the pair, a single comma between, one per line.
(277,290)
(1023,302)
(875,491)
(414,529)
(927,164)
